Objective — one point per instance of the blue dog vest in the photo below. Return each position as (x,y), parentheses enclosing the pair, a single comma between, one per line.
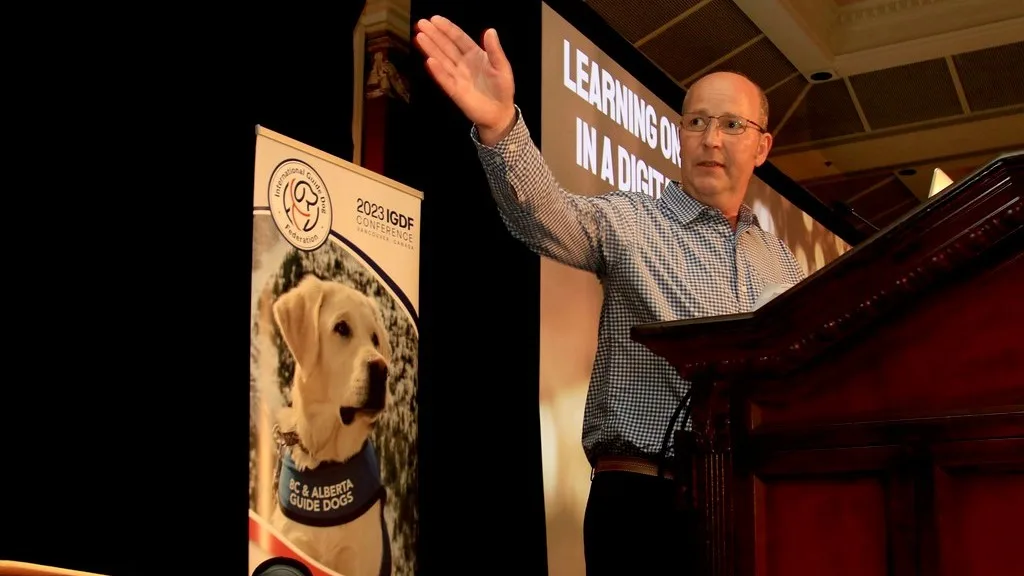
(333,493)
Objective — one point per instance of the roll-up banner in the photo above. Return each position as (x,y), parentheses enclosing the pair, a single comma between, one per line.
(334,342)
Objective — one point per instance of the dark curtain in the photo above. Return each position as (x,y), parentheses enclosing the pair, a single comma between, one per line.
(306,77)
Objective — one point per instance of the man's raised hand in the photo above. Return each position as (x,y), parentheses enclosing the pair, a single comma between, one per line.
(479,81)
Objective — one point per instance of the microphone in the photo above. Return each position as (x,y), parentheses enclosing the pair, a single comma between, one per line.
(844,207)
(282,566)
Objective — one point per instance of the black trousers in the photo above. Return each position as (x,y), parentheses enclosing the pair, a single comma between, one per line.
(632,526)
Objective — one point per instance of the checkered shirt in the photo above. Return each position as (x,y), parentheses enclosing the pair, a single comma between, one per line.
(659,259)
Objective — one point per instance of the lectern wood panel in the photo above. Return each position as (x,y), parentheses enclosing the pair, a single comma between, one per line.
(829,525)
(978,508)
(956,350)
(870,421)
(830,511)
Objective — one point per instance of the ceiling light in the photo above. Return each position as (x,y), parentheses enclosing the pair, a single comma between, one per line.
(940,181)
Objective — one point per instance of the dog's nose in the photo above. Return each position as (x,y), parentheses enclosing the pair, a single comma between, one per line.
(378,371)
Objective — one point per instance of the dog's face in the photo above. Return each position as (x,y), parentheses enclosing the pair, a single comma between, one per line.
(341,350)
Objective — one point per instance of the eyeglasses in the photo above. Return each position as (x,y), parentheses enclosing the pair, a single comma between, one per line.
(727,123)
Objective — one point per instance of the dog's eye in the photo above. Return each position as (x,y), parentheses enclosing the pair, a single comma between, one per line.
(343,328)
(376,340)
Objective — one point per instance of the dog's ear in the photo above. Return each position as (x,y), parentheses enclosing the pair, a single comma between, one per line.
(297,313)
(386,349)
(383,332)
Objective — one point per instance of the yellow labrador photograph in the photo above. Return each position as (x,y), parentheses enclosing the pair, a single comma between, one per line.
(333,411)
(330,493)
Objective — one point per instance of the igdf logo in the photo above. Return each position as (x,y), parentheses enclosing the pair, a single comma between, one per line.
(300,204)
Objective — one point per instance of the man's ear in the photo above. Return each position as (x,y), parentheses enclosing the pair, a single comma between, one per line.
(297,314)
(764,146)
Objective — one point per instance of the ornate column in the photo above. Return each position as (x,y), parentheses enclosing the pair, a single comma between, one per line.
(385,89)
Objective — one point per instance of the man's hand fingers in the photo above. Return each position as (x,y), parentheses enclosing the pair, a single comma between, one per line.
(459,38)
(442,75)
(495,54)
(430,48)
(442,41)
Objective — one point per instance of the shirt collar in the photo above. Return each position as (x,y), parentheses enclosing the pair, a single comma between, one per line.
(687,208)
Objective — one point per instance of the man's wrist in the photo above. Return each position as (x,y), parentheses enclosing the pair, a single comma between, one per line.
(492,136)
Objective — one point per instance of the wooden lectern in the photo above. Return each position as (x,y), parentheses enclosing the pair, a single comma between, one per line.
(870,420)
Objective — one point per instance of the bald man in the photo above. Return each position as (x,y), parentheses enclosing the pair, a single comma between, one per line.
(695,251)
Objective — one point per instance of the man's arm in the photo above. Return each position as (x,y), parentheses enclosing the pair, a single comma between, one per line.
(578,231)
